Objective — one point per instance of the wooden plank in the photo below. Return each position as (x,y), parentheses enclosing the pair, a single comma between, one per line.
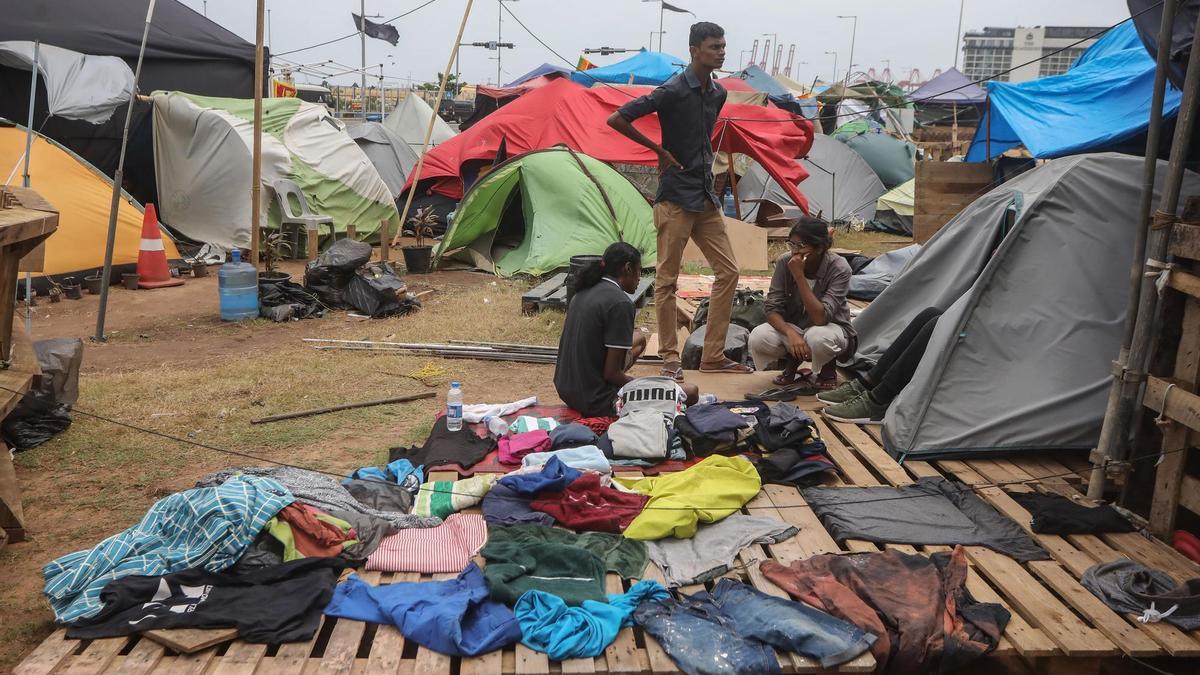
(242,658)
(623,655)
(530,662)
(847,463)
(1028,641)
(1126,637)
(342,647)
(97,657)
(387,647)
(1189,493)
(428,661)
(812,539)
(186,664)
(143,658)
(189,640)
(1037,604)
(1182,406)
(1185,241)
(875,456)
(48,655)
(1168,477)
(1184,282)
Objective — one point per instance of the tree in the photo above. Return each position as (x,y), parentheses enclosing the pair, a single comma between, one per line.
(451,84)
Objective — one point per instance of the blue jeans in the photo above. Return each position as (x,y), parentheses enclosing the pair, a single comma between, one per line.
(733,630)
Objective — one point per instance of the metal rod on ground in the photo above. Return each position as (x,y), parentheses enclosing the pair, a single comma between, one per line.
(416,175)
(480,356)
(256,168)
(344,406)
(110,242)
(1114,435)
(33,78)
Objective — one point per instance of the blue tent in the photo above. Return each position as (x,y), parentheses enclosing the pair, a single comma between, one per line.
(1103,100)
(544,69)
(759,80)
(645,67)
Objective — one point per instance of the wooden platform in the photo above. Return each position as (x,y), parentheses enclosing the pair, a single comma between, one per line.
(1057,625)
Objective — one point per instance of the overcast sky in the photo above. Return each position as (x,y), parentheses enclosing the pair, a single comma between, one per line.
(911,34)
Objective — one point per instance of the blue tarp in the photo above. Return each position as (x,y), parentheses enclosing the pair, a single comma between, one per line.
(1102,100)
(645,67)
(544,69)
(759,80)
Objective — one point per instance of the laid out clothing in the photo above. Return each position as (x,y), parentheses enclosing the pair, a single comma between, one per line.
(1056,514)
(660,394)
(515,446)
(715,419)
(443,447)
(917,607)
(786,426)
(799,467)
(1132,588)
(830,285)
(505,506)
(736,629)
(599,424)
(707,492)
(714,548)
(622,556)
(931,511)
(550,626)
(208,528)
(642,434)
(582,458)
(269,551)
(526,423)
(402,472)
(587,506)
(271,605)
(432,550)
(440,498)
(381,495)
(475,412)
(572,435)
(456,617)
(319,490)
(553,474)
(699,444)
(569,572)
(306,532)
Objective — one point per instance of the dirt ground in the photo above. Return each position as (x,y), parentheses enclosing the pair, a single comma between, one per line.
(171,366)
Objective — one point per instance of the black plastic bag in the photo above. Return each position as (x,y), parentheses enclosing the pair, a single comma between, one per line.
(329,275)
(45,412)
(375,291)
(285,300)
(737,346)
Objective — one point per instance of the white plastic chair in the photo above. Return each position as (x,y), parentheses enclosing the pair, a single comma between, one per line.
(305,221)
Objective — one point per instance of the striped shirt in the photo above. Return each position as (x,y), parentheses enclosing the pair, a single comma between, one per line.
(445,548)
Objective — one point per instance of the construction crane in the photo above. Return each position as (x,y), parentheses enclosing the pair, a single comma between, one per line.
(778,57)
(754,51)
(787,70)
(766,54)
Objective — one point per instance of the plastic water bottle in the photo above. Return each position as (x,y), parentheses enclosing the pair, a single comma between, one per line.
(707,399)
(496,427)
(237,284)
(730,207)
(454,403)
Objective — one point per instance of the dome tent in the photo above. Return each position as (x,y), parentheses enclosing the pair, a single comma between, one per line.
(582,206)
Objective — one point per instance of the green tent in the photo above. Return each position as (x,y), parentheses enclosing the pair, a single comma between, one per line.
(532,213)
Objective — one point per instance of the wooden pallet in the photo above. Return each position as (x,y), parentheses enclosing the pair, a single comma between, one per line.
(1056,625)
(552,294)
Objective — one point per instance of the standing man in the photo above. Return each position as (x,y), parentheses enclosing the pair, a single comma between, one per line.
(687,205)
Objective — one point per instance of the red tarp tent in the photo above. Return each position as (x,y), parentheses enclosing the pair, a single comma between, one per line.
(562,112)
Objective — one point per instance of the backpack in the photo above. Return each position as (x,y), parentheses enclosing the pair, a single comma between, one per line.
(749,310)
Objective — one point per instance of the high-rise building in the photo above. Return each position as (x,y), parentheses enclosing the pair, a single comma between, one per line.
(989,52)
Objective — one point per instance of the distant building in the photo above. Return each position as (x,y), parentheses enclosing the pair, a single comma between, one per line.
(989,52)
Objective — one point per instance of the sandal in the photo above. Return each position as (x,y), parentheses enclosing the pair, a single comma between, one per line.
(672,370)
(726,366)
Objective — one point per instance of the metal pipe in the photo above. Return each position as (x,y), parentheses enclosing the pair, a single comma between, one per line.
(1114,434)
(110,242)
(1149,169)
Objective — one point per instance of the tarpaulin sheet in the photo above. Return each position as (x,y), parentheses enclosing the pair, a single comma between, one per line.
(1101,101)
(78,86)
(641,68)
(562,112)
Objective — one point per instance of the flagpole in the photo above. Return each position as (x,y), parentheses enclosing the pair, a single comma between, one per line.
(661,9)
(110,243)
(362,36)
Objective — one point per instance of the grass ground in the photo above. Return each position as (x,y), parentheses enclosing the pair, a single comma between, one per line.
(172,367)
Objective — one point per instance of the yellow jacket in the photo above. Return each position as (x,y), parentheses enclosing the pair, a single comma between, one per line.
(709,491)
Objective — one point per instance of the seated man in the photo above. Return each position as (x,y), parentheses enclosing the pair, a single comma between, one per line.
(599,343)
(807,315)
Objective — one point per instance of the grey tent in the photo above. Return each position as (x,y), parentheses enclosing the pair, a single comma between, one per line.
(392,157)
(840,184)
(1033,280)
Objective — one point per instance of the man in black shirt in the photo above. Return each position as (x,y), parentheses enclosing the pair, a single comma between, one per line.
(687,205)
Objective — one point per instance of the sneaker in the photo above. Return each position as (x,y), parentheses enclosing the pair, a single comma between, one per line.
(861,410)
(850,389)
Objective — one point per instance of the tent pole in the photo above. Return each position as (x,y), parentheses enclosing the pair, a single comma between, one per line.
(737,203)
(416,175)
(118,177)
(1153,236)
(988,131)
(256,168)
(33,78)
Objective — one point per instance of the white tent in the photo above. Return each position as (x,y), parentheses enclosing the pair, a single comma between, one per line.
(392,157)
(410,121)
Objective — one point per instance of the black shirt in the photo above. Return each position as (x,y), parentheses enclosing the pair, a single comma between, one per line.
(687,115)
(598,318)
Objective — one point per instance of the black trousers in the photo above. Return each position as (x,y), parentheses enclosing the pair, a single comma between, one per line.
(895,368)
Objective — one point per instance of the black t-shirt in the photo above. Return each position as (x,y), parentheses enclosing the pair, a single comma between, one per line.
(598,318)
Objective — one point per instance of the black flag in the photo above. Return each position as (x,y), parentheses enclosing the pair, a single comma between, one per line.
(379,31)
(667,6)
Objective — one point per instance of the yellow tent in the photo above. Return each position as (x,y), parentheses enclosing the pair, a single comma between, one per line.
(82,196)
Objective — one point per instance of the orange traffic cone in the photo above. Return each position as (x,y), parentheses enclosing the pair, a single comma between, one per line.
(152,258)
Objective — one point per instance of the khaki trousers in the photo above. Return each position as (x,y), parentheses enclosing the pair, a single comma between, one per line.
(676,226)
(768,346)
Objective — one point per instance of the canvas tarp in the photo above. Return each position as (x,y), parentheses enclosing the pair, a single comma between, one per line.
(392,157)
(949,88)
(563,112)
(535,211)
(78,86)
(891,158)
(840,186)
(82,196)
(1102,101)
(410,120)
(642,68)
(202,149)
(1032,280)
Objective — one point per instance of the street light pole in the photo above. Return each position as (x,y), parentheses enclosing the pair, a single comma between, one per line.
(958,35)
(853,35)
(660,25)
(362,36)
